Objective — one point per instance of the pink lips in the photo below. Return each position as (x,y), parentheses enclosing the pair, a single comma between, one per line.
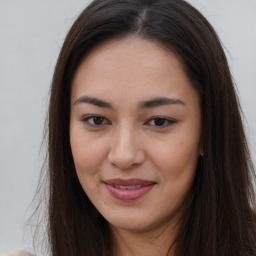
(128,190)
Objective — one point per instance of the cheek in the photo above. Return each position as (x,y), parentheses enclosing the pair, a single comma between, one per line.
(88,153)
(177,158)
(176,163)
(87,159)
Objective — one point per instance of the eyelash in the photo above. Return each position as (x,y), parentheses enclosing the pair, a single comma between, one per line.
(87,120)
(166,121)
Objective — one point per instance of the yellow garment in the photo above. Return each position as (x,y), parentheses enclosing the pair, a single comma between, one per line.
(19,253)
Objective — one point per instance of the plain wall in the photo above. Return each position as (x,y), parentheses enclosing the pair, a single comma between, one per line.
(31,34)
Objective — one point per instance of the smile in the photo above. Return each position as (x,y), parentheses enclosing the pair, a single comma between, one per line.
(128,190)
(128,187)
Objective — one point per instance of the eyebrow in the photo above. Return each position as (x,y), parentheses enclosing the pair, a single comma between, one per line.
(93,101)
(156,102)
(160,102)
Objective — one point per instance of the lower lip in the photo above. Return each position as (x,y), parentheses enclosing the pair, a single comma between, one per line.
(128,194)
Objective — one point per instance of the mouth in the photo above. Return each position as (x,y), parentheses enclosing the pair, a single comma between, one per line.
(128,190)
(127,187)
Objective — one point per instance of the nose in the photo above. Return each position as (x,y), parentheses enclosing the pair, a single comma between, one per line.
(126,151)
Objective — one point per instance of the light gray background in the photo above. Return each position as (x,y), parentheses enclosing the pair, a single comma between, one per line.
(31,34)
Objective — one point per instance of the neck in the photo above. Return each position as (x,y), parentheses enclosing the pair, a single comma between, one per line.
(149,243)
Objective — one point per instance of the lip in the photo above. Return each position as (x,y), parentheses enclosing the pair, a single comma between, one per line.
(128,190)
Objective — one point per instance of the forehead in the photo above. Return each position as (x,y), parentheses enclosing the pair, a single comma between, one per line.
(131,67)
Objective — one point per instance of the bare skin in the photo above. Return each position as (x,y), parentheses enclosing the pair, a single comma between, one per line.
(135,133)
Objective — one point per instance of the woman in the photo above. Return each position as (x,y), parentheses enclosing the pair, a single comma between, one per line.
(147,153)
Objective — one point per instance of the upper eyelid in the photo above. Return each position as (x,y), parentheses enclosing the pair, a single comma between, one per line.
(171,120)
(92,115)
(162,117)
(87,117)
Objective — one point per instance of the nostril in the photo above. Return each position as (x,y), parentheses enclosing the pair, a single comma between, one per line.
(125,159)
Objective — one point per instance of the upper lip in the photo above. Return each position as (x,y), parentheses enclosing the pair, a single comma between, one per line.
(128,182)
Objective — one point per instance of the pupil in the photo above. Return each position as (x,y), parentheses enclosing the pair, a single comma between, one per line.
(159,121)
(98,120)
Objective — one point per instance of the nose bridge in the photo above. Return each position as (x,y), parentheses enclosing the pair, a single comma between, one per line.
(125,150)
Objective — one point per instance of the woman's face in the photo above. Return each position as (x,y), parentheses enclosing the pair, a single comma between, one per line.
(135,133)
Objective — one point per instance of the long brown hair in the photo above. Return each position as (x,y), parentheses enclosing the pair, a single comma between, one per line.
(221,219)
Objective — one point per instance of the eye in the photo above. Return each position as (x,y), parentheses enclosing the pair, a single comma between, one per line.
(160,122)
(95,120)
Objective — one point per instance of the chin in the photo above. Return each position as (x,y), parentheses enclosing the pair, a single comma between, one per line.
(132,224)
